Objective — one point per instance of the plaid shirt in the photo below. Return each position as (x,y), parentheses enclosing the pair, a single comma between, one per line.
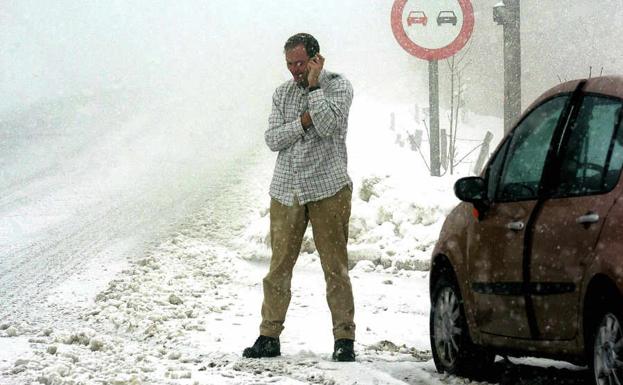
(311,164)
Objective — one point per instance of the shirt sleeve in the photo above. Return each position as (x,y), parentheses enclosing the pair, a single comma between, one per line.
(329,107)
(281,134)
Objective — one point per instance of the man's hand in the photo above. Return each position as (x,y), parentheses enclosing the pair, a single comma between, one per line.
(306,120)
(314,66)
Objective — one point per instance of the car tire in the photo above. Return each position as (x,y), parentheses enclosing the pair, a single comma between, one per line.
(452,348)
(607,348)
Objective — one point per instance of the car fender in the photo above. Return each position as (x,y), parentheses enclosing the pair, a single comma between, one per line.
(453,235)
(451,244)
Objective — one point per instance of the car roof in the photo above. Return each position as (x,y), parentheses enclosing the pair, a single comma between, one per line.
(607,85)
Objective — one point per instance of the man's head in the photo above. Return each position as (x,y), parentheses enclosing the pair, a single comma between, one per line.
(299,49)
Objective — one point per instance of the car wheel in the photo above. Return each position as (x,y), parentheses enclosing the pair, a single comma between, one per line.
(452,348)
(607,361)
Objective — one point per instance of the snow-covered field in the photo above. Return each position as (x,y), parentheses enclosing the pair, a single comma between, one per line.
(181,310)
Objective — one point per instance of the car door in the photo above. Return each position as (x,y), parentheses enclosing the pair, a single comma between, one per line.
(568,224)
(496,241)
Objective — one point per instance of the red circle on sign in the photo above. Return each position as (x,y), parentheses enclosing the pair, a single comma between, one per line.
(432,53)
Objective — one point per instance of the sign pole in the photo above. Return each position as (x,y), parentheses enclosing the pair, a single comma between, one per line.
(433,100)
(508,15)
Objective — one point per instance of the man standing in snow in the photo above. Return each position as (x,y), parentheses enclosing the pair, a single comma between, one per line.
(307,126)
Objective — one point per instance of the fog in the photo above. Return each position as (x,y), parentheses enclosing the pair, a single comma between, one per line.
(227,55)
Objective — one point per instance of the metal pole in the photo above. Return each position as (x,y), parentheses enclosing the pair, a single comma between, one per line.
(508,15)
(512,71)
(433,100)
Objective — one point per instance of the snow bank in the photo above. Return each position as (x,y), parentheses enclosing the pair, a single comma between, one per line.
(398,208)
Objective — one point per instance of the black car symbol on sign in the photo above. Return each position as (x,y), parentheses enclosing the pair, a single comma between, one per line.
(446,17)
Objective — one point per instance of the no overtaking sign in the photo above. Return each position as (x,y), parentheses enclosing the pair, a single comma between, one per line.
(432,29)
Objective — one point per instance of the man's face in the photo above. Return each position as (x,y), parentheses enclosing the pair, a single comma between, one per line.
(297,59)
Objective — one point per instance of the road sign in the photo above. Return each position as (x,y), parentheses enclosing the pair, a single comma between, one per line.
(432,29)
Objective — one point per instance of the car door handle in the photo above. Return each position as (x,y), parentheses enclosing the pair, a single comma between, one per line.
(516,226)
(587,218)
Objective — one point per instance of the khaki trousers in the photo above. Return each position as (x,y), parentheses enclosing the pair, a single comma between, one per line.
(329,219)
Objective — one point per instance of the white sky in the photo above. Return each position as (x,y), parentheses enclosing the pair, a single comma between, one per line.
(232,48)
(229,52)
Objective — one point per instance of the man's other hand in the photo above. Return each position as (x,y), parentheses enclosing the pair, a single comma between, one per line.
(306,120)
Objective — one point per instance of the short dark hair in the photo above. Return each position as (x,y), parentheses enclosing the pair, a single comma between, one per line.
(308,41)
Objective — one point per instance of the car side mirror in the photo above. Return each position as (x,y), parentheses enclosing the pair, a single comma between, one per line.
(473,189)
(470,189)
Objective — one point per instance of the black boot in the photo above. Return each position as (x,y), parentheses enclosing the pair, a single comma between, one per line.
(343,350)
(263,347)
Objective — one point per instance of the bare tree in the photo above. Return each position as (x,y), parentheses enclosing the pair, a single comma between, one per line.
(456,65)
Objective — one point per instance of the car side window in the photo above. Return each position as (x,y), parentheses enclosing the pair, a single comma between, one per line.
(615,164)
(592,156)
(529,145)
(495,168)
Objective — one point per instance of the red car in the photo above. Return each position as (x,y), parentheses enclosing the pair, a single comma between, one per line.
(417,17)
(531,261)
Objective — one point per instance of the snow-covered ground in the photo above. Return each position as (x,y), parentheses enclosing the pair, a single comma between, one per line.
(181,310)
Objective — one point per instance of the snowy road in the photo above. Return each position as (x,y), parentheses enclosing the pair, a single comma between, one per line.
(87,181)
